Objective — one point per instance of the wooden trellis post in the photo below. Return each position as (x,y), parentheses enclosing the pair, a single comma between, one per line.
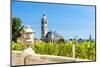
(73,50)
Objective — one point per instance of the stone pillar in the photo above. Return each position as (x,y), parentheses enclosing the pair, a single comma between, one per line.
(28,40)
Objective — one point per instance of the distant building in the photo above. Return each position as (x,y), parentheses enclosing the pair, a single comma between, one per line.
(53,37)
(80,40)
(37,40)
(49,36)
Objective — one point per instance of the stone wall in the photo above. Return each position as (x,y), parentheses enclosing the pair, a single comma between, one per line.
(18,59)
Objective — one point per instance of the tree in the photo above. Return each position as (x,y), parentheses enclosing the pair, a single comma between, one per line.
(16,28)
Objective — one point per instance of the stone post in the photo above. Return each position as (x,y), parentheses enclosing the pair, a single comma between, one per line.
(73,50)
(28,41)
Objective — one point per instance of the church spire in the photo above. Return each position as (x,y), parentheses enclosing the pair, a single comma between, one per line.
(90,38)
(44,16)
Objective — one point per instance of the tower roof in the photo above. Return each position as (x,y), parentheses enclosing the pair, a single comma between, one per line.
(44,16)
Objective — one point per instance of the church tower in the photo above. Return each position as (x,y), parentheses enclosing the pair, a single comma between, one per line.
(43,26)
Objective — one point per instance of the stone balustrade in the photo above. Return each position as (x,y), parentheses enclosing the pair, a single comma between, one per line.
(17,59)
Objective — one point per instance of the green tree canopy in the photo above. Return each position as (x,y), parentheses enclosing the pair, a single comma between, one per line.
(16,28)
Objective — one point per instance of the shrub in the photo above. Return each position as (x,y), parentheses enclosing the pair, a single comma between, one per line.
(18,46)
(86,50)
(45,48)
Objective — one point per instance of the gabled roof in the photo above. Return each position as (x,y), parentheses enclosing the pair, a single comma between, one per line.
(55,34)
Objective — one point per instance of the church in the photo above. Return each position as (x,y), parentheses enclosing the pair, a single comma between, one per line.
(46,35)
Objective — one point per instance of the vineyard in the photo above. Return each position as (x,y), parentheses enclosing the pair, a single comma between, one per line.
(83,50)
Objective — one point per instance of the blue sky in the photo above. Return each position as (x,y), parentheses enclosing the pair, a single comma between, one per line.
(67,20)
